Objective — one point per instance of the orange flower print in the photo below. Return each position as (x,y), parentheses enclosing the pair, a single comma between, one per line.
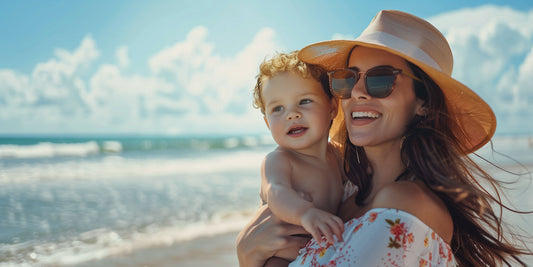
(372,217)
(423,263)
(443,252)
(321,252)
(350,222)
(426,242)
(357,227)
(400,235)
(397,229)
(410,238)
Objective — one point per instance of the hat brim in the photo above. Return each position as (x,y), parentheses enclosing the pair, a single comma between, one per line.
(475,120)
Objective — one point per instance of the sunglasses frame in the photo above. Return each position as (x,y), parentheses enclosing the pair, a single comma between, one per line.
(358,73)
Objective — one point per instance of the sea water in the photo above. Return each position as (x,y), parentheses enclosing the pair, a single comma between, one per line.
(65,201)
(69,200)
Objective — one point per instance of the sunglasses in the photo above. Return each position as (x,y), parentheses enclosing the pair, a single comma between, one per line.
(379,81)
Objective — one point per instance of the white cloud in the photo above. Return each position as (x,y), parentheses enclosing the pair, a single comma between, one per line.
(219,84)
(183,58)
(13,90)
(189,88)
(122,57)
(192,87)
(49,96)
(233,78)
(117,98)
(492,55)
(523,87)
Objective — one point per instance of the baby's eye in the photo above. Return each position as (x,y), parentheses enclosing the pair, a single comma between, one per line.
(277,109)
(305,101)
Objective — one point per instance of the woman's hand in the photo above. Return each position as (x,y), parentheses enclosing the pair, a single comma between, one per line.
(264,236)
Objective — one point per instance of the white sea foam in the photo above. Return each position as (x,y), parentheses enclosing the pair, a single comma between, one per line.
(112,146)
(48,150)
(116,166)
(101,243)
(231,143)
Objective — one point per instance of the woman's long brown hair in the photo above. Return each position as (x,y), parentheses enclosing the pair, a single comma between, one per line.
(433,154)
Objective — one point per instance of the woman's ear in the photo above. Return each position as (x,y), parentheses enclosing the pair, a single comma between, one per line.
(422,112)
(421,109)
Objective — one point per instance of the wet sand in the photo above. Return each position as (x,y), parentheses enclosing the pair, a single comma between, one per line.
(216,250)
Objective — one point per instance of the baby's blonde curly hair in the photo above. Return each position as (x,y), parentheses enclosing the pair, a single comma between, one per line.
(287,62)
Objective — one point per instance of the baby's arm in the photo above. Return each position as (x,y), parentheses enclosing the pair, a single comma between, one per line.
(288,205)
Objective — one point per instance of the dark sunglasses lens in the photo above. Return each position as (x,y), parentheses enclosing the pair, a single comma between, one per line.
(379,82)
(342,82)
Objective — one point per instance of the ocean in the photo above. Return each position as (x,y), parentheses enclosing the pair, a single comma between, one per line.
(70,201)
(66,201)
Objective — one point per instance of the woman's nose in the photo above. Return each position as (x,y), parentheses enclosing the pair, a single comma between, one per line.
(359,90)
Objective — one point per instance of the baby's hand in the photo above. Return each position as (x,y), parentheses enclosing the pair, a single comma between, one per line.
(321,223)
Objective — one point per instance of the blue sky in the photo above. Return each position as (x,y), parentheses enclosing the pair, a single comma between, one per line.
(188,67)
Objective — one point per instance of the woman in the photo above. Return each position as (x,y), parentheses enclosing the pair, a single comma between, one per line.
(406,129)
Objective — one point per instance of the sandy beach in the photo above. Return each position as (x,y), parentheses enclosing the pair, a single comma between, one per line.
(216,250)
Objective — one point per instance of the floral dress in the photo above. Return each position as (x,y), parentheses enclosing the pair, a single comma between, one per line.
(381,237)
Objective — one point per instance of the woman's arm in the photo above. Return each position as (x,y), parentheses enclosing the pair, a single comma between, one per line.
(265,235)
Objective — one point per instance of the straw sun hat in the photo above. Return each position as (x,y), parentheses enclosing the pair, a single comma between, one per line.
(419,42)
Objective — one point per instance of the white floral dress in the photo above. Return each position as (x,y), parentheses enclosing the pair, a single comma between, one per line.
(381,237)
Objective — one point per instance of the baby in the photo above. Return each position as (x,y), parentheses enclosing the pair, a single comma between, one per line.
(302,179)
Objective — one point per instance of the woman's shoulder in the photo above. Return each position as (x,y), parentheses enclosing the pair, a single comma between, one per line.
(396,238)
(416,199)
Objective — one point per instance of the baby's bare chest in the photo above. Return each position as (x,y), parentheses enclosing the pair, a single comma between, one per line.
(322,183)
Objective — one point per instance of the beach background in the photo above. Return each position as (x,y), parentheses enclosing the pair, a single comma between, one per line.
(127,132)
(157,201)
(126,201)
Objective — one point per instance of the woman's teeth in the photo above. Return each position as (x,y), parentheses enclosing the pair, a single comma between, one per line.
(365,114)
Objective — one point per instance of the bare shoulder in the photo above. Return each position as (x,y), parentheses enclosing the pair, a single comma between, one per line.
(277,166)
(415,198)
(275,169)
(278,156)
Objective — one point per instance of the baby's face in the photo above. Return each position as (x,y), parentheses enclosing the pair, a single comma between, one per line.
(297,111)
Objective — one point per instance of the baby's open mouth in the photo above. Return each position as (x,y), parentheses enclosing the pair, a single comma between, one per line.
(297,130)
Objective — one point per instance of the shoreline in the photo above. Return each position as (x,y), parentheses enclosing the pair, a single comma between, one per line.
(215,250)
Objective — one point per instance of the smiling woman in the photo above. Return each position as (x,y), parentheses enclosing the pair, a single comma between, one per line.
(405,131)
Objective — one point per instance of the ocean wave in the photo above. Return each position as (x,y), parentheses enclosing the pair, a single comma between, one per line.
(48,150)
(117,166)
(101,243)
(24,148)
